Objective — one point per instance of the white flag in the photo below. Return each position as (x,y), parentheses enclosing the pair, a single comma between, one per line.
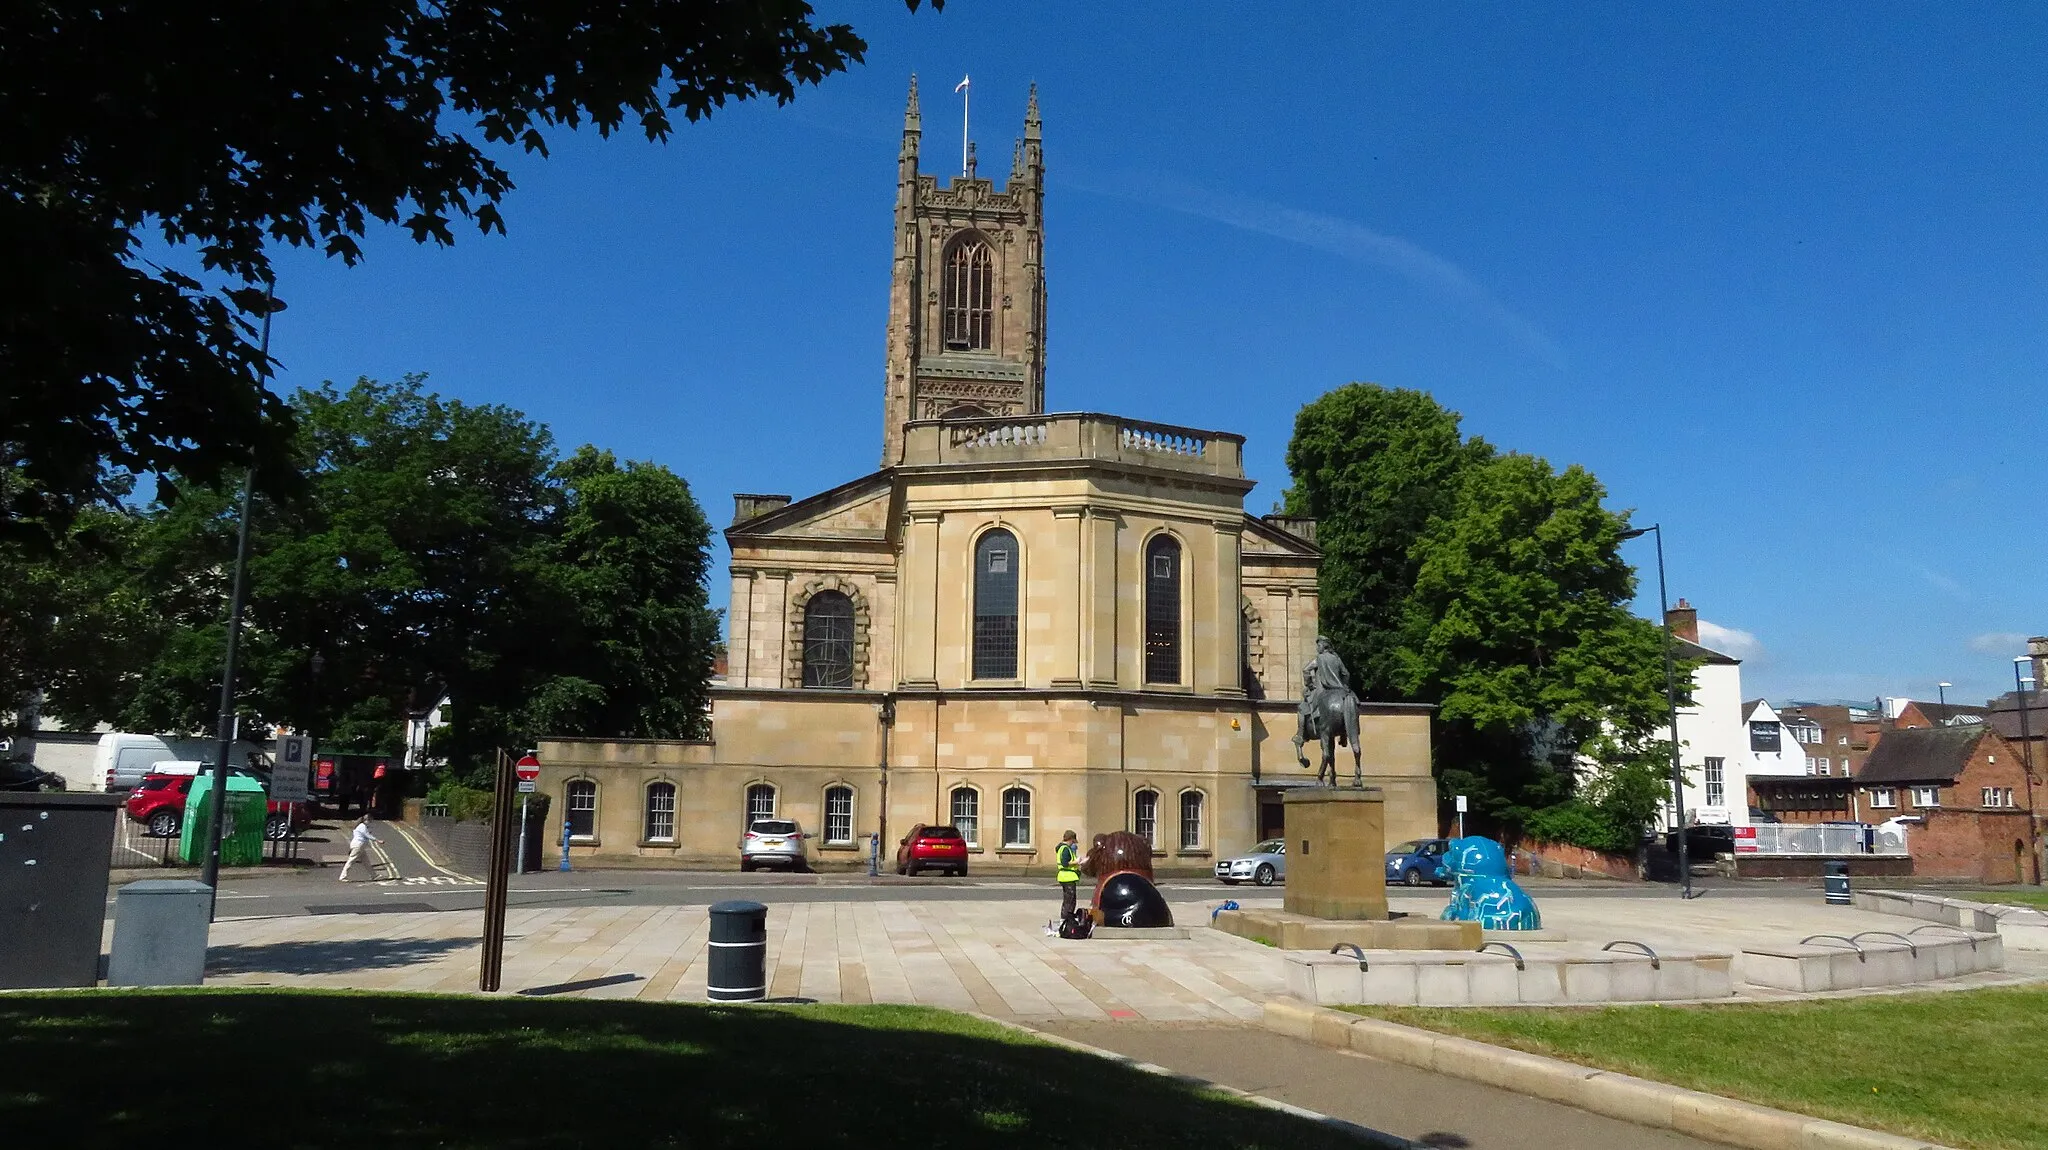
(961,84)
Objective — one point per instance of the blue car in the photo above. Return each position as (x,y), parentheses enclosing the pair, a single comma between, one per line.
(1419,861)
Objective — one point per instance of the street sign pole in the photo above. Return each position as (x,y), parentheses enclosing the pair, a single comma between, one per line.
(528,770)
(1461,816)
(520,866)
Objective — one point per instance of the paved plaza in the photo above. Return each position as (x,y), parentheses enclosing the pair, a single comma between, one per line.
(992,957)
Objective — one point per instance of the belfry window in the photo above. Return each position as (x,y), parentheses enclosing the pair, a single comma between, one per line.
(995,606)
(1162,610)
(968,316)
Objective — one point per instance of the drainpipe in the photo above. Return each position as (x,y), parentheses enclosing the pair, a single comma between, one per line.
(887,716)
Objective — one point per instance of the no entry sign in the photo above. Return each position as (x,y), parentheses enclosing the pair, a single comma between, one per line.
(528,769)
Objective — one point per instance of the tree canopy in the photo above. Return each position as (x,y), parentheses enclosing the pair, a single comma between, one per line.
(228,131)
(1492,586)
(439,549)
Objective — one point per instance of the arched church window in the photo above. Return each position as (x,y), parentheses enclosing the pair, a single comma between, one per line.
(1162,610)
(828,640)
(995,605)
(968,319)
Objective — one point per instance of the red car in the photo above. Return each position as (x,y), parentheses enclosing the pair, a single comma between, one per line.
(927,848)
(158,801)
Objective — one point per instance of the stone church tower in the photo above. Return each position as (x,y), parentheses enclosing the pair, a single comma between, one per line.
(967,298)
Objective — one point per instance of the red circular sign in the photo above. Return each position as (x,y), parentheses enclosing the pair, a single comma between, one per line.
(528,768)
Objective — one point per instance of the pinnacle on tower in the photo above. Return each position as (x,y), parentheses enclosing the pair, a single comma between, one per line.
(1031,116)
(970,159)
(910,117)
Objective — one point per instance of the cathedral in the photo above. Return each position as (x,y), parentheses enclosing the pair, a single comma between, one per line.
(1023,622)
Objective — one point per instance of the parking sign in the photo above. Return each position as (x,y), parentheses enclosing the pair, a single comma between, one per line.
(288,777)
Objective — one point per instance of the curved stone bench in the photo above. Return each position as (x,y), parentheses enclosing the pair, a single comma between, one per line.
(1872,960)
(1544,974)
(2020,927)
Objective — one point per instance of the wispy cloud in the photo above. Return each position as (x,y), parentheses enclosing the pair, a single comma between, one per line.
(1339,237)
(1730,641)
(1943,583)
(1998,643)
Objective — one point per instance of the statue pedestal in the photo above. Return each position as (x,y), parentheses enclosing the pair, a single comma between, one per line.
(1337,852)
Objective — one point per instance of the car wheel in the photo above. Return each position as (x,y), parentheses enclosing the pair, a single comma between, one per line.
(962,872)
(277,828)
(912,869)
(1264,875)
(746,865)
(1413,877)
(163,824)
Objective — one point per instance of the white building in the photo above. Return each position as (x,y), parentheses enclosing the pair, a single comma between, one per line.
(1722,739)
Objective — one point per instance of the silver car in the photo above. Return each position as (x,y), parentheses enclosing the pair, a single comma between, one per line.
(773,842)
(1265,864)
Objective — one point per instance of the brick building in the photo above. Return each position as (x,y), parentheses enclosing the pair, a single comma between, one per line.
(1918,714)
(1971,807)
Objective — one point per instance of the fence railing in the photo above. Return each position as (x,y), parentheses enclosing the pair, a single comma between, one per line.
(1815,839)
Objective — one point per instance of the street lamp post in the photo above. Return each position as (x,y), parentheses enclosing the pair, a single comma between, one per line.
(209,870)
(1671,701)
(2020,679)
(1942,688)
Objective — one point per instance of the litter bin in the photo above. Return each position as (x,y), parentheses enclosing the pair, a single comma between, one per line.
(55,851)
(739,952)
(1835,880)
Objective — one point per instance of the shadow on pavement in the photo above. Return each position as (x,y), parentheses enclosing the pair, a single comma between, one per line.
(582,984)
(329,957)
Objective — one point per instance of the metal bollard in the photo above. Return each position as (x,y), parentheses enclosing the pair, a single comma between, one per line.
(739,952)
(1835,881)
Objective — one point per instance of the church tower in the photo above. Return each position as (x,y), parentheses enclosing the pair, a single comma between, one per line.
(967,297)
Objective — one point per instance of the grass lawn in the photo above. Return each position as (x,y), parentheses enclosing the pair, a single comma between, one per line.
(2038,899)
(1964,1068)
(399,1071)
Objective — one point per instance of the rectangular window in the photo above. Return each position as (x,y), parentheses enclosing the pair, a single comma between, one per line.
(582,809)
(1821,767)
(1844,740)
(661,813)
(1017,817)
(839,815)
(1884,797)
(967,815)
(1145,817)
(1998,797)
(1191,821)
(1717,782)
(1926,796)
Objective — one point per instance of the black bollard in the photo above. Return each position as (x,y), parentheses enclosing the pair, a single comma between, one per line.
(739,952)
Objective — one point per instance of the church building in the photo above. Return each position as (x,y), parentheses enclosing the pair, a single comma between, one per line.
(1023,622)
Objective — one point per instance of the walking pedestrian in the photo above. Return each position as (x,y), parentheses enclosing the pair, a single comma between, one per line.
(1065,855)
(359,841)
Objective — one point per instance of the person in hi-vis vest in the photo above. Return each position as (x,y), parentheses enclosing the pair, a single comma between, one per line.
(1066,855)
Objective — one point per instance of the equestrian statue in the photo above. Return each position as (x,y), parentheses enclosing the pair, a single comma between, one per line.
(1329,712)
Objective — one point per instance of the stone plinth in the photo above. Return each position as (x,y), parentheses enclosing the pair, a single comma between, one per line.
(1337,852)
(1290,931)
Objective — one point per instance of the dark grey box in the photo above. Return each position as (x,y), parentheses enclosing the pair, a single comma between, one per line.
(55,851)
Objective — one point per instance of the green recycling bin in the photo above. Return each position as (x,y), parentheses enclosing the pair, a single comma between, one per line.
(241,836)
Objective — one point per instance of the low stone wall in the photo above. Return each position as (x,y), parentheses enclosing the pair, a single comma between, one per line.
(1811,866)
(1562,860)
(465,847)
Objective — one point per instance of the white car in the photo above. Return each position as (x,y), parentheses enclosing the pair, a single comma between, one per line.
(1265,864)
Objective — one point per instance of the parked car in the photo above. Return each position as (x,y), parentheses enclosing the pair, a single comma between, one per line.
(1419,861)
(19,773)
(1702,843)
(932,848)
(773,842)
(1264,864)
(158,802)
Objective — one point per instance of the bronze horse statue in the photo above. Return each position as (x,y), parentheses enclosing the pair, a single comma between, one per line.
(1329,716)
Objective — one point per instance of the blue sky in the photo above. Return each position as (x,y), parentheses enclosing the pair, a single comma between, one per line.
(1777,273)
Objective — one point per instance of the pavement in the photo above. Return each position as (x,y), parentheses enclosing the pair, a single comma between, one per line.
(1421,1106)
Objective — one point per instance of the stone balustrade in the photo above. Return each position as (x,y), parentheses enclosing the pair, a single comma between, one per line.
(1072,437)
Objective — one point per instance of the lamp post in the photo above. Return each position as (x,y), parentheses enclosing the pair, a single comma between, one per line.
(1671,701)
(209,869)
(1943,689)
(2020,680)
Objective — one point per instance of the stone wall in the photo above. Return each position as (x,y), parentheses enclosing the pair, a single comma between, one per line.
(1562,860)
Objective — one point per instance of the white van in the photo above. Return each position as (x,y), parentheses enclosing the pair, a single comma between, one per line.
(122,758)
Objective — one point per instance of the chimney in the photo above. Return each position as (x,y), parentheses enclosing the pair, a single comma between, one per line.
(1684,621)
(745,507)
(2037,647)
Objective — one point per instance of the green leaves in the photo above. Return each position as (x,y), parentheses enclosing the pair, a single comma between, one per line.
(294,125)
(1492,586)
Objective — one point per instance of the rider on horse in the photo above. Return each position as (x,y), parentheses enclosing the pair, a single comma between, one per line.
(1328,712)
(1323,673)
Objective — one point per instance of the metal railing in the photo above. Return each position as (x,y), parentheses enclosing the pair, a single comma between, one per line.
(1816,839)
(135,847)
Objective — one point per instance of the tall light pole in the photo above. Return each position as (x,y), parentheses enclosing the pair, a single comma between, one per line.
(2020,679)
(1943,689)
(1671,701)
(216,821)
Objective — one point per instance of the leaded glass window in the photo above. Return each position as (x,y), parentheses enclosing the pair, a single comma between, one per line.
(969,307)
(995,606)
(1162,610)
(828,640)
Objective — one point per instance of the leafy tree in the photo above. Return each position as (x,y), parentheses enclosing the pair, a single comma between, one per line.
(440,548)
(1518,629)
(1374,466)
(229,130)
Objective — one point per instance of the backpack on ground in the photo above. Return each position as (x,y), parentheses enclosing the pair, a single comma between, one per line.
(1079,924)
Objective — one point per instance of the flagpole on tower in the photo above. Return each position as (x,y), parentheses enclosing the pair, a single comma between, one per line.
(966,90)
